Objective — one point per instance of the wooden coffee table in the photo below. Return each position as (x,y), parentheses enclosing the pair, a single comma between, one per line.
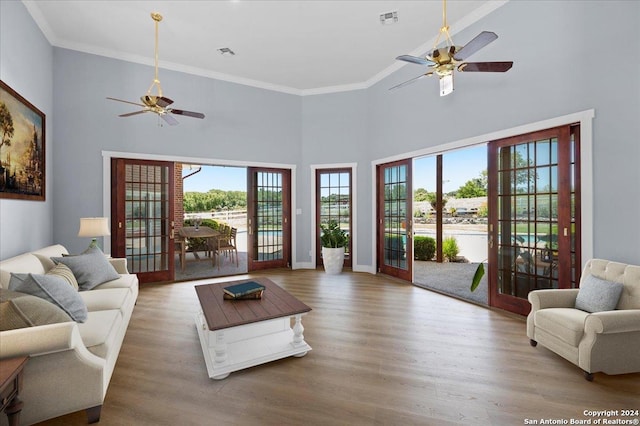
(238,334)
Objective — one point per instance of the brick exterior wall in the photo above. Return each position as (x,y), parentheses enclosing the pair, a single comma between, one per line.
(178,208)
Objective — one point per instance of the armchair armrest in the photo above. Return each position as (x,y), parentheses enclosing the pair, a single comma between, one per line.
(608,322)
(553,298)
(119,264)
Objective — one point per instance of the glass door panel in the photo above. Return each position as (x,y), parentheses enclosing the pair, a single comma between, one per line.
(395,245)
(531,230)
(333,201)
(143,217)
(269,230)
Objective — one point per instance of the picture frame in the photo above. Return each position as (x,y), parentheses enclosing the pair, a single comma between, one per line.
(22,147)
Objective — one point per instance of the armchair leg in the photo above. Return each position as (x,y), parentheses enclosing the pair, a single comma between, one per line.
(588,376)
(93,414)
(533,343)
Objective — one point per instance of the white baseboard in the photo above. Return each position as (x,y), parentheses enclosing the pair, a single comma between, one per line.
(303,265)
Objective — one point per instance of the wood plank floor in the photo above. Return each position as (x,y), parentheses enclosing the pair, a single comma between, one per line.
(384,353)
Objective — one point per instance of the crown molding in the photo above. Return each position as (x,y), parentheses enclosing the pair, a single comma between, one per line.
(458,26)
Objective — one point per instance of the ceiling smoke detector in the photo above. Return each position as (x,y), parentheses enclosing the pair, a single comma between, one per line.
(225,51)
(389,17)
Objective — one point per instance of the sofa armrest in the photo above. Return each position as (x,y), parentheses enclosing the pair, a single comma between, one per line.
(608,322)
(44,339)
(553,298)
(119,264)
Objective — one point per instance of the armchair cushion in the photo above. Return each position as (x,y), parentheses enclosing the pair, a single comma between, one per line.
(567,324)
(597,295)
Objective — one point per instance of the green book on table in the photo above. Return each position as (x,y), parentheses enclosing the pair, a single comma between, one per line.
(243,289)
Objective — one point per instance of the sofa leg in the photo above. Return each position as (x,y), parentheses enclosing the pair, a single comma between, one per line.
(533,343)
(588,376)
(93,414)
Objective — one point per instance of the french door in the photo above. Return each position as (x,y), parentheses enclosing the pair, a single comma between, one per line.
(269,218)
(333,202)
(142,217)
(395,196)
(534,215)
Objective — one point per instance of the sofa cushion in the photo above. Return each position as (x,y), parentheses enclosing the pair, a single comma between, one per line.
(90,268)
(567,324)
(29,311)
(22,264)
(6,294)
(102,331)
(46,261)
(597,295)
(53,289)
(63,271)
(105,299)
(129,281)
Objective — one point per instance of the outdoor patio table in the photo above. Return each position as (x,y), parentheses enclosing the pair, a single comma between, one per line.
(200,232)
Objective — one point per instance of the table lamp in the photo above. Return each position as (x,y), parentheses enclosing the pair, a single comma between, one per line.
(94,227)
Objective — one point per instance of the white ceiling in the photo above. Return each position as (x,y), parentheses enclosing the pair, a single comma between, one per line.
(300,47)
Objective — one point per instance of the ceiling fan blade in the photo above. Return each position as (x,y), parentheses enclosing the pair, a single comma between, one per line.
(126,102)
(186,113)
(129,114)
(415,60)
(163,102)
(480,41)
(169,119)
(485,66)
(413,80)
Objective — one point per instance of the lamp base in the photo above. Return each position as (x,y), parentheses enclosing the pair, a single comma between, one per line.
(94,243)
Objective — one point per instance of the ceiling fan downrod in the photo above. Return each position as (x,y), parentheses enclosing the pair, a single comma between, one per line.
(156,81)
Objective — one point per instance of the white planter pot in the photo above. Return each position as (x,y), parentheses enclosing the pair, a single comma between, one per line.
(333,259)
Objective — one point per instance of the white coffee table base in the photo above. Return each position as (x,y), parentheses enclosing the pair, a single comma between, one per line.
(235,348)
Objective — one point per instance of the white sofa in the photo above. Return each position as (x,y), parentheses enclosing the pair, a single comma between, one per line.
(606,341)
(70,363)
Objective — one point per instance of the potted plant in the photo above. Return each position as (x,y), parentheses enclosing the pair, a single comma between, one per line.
(334,241)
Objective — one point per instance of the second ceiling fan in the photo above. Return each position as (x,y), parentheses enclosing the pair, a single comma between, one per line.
(158,103)
(445,60)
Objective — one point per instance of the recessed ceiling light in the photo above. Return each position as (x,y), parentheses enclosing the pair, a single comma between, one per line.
(225,51)
(389,17)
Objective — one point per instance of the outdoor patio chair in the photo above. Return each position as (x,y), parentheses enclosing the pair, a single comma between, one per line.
(227,246)
(181,248)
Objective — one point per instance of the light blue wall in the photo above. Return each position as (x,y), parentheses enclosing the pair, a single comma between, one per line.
(559,48)
(242,123)
(333,132)
(26,66)
(560,51)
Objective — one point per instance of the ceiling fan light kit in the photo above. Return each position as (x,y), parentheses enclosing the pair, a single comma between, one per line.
(157,103)
(445,60)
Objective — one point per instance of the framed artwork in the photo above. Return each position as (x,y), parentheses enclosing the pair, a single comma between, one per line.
(22,147)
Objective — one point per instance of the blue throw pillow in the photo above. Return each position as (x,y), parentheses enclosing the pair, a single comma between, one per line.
(597,295)
(54,289)
(90,268)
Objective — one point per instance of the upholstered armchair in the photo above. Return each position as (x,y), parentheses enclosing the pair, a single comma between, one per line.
(596,337)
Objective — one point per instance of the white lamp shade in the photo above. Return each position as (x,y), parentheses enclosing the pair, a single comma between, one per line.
(94,227)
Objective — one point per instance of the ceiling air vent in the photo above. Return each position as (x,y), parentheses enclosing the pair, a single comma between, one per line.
(388,18)
(225,51)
